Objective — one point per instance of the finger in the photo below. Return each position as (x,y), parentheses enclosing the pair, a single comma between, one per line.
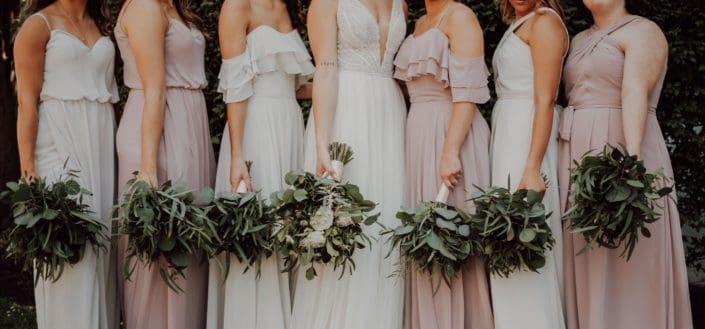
(454,181)
(448,183)
(234,184)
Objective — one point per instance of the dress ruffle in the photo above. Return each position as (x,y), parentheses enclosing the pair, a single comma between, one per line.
(466,76)
(264,55)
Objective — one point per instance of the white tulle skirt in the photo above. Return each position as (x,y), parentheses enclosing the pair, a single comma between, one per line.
(370,118)
(81,132)
(273,141)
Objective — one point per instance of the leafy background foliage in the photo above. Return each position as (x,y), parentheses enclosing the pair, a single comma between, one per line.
(681,110)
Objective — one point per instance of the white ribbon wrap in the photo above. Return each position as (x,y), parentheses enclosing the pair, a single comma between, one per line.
(337,167)
(442,196)
(242,187)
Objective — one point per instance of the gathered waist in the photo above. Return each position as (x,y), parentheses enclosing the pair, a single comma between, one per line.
(567,117)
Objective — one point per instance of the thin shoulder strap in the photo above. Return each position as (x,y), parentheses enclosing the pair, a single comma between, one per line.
(44,17)
(550,10)
(443,16)
(521,21)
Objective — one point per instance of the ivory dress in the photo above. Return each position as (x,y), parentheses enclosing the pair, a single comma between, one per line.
(267,76)
(186,156)
(76,123)
(436,79)
(370,118)
(602,289)
(525,299)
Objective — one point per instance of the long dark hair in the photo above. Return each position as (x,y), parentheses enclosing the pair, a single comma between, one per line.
(296,12)
(97,10)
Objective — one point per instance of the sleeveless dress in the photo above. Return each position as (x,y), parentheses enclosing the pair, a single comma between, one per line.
(436,79)
(525,299)
(602,289)
(76,123)
(267,76)
(369,117)
(186,156)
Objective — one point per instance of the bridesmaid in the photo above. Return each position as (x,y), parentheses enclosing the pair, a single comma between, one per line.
(613,79)
(528,64)
(447,142)
(265,63)
(164,135)
(65,87)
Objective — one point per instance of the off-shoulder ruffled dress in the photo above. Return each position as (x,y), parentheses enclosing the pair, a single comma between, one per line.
(436,79)
(185,156)
(267,76)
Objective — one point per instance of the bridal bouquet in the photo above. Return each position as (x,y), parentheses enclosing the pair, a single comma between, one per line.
(435,237)
(51,225)
(164,223)
(613,198)
(243,226)
(319,220)
(513,227)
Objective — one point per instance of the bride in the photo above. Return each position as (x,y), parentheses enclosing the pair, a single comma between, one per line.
(356,101)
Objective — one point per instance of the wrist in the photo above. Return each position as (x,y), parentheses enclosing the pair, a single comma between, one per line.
(532,168)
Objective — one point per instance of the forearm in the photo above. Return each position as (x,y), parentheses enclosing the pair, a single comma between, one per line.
(325,99)
(635,111)
(305,91)
(540,134)
(237,113)
(460,123)
(27,122)
(151,130)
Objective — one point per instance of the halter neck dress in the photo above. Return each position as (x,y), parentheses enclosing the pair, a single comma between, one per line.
(266,75)
(436,78)
(185,155)
(524,299)
(603,290)
(76,126)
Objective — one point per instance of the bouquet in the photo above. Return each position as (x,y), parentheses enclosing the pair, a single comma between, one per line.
(164,223)
(613,198)
(319,220)
(243,226)
(513,227)
(435,237)
(51,225)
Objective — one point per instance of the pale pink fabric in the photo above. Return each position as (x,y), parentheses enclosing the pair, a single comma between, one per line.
(186,156)
(602,289)
(436,79)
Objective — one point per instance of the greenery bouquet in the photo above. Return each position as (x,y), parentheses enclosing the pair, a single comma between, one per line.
(434,237)
(513,227)
(51,226)
(243,225)
(319,220)
(613,198)
(165,226)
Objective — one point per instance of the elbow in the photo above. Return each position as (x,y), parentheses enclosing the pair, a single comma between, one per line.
(154,97)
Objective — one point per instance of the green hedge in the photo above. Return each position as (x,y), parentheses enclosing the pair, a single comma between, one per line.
(681,110)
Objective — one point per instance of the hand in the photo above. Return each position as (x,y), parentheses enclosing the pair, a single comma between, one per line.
(450,169)
(28,175)
(323,165)
(148,176)
(532,180)
(238,172)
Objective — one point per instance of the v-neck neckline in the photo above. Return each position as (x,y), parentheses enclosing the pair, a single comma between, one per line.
(382,51)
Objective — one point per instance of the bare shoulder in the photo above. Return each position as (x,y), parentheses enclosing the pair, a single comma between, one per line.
(233,6)
(547,22)
(643,30)
(34,30)
(324,6)
(143,11)
(460,14)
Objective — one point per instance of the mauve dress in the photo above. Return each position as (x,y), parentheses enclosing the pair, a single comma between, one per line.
(602,289)
(436,79)
(186,156)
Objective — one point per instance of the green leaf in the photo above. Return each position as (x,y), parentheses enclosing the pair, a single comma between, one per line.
(445,213)
(527,235)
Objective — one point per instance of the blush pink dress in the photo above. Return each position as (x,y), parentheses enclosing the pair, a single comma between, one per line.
(436,79)
(186,156)
(602,289)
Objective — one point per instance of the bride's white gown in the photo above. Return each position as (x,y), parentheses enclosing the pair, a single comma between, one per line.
(369,117)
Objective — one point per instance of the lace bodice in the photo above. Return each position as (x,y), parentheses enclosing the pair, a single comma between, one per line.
(359,38)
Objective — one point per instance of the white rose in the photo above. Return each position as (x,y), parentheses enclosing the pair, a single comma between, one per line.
(314,239)
(322,219)
(344,219)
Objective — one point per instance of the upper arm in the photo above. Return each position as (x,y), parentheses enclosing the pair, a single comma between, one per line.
(548,42)
(146,24)
(646,54)
(464,33)
(29,49)
(232,27)
(323,31)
